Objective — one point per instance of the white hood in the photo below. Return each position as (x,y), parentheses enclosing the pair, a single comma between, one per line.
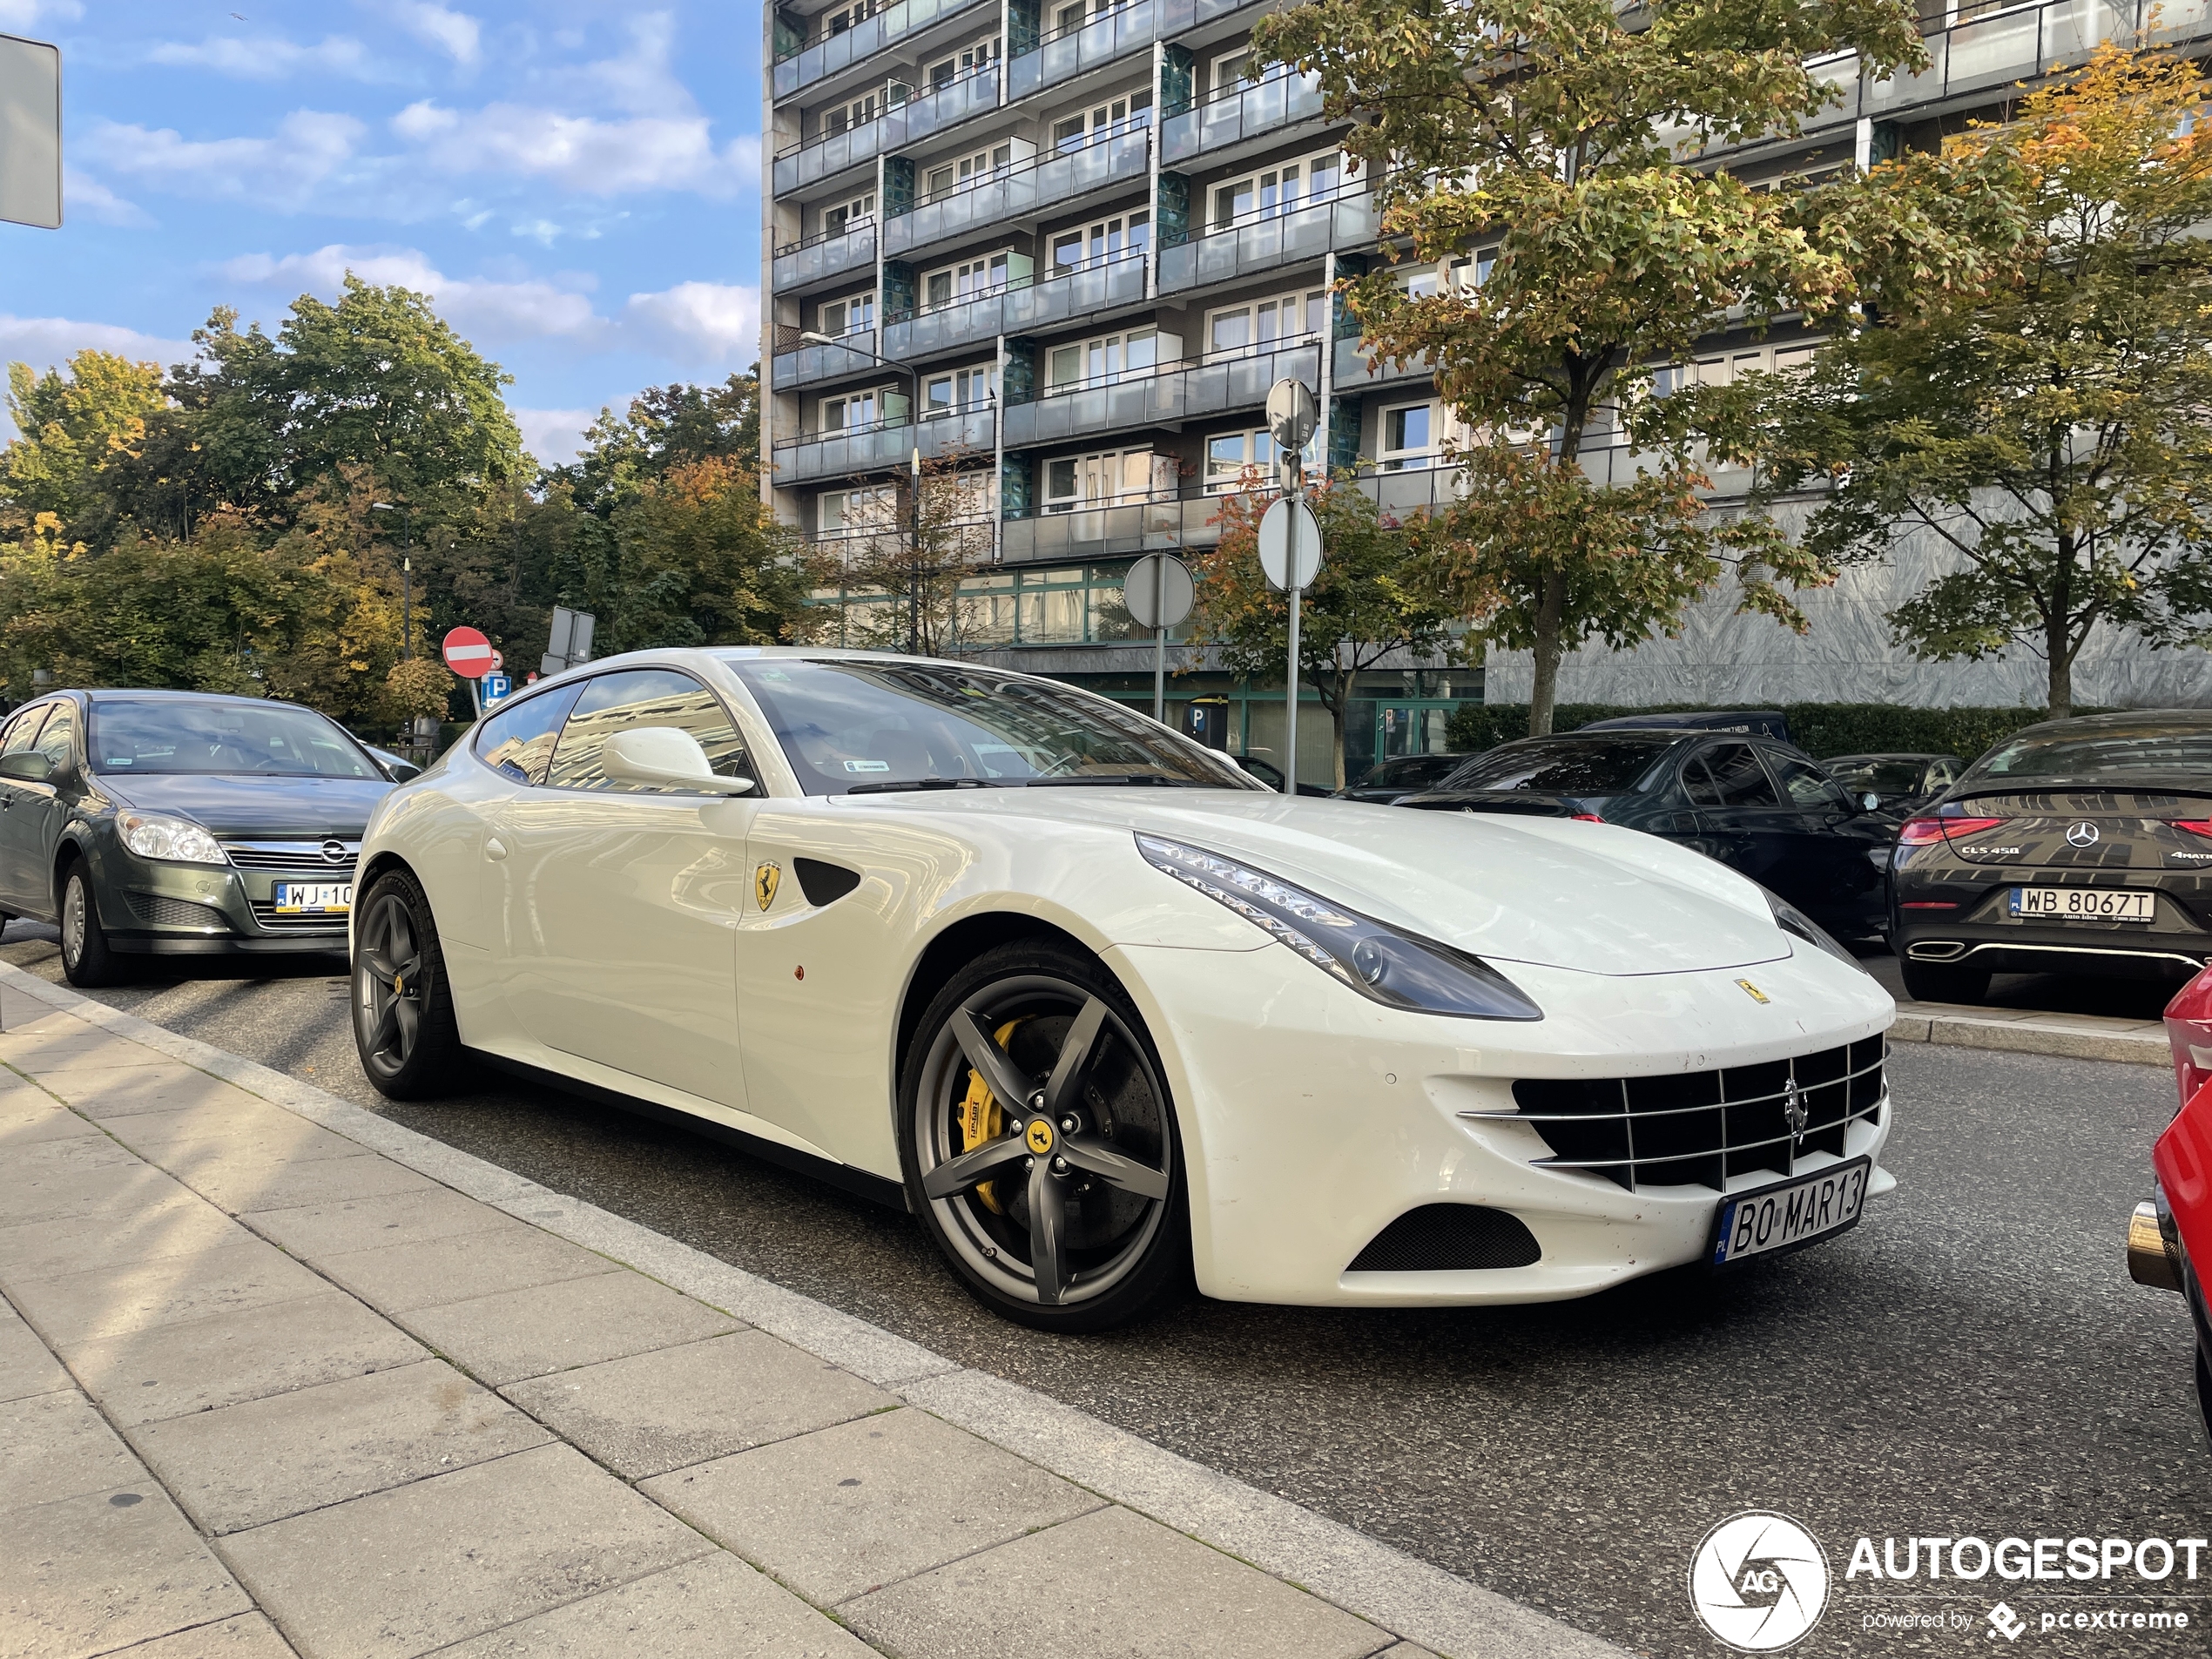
(1588,897)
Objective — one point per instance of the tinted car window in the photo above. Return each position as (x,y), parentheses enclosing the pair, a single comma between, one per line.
(1564,766)
(1733,776)
(1805,787)
(270,739)
(643,697)
(58,737)
(519,739)
(22,732)
(1889,777)
(1411,770)
(2112,751)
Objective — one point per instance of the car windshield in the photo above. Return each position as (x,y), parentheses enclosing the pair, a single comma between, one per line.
(856,725)
(1877,777)
(1605,765)
(2113,752)
(1411,770)
(166,735)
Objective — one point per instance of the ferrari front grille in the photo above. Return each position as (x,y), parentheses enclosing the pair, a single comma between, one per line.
(1702,1128)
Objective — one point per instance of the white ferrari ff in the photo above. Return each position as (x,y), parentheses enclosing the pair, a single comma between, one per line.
(1103,1012)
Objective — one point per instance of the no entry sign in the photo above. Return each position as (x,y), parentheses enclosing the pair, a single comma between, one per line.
(468,653)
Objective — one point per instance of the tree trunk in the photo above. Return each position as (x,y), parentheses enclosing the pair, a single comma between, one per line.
(1544,690)
(2058,658)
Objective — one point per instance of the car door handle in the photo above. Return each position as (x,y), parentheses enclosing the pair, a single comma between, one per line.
(495,848)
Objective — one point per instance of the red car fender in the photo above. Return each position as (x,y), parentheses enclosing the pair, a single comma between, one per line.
(2183,1155)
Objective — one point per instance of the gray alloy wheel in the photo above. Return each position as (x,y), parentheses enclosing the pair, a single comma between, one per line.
(403,1024)
(1040,1143)
(85,956)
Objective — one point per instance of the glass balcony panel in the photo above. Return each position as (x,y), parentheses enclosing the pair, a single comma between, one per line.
(918,117)
(812,363)
(1998,48)
(864,39)
(835,453)
(962,434)
(825,257)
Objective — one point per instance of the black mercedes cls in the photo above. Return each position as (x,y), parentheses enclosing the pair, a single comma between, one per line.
(179,823)
(2080,847)
(1756,806)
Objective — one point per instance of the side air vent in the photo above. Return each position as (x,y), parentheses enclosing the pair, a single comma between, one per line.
(824,883)
(1449,1238)
(161,911)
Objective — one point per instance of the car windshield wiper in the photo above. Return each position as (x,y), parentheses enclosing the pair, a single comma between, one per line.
(1153,777)
(888,787)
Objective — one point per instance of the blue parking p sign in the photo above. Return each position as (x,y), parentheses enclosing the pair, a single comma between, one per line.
(496,686)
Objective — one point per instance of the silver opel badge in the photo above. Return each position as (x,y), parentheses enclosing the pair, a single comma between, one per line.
(335,852)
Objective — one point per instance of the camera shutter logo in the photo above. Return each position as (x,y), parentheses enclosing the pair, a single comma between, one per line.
(1759,1581)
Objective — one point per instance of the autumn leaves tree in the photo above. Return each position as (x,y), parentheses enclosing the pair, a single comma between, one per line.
(2051,429)
(1548,145)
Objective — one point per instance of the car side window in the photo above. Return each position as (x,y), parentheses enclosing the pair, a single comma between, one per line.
(518,740)
(1939,777)
(644,696)
(1738,779)
(1806,789)
(22,732)
(58,737)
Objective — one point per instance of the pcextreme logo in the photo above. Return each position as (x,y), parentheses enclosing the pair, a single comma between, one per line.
(1759,1581)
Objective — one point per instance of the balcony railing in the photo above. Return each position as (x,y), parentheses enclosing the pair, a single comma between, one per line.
(826,255)
(1018,310)
(828,54)
(1178,391)
(1054,181)
(884,446)
(1108,35)
(895,129)
(1303,233)
(1354,372)
(1236,113)
(789,370)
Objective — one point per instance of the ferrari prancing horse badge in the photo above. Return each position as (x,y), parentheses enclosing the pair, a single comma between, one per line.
(764,884)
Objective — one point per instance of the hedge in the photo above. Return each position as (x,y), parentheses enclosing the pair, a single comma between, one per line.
(1820,729)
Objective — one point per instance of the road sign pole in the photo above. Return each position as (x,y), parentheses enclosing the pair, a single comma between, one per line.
(476,697)
(1160,643)
(1290,677)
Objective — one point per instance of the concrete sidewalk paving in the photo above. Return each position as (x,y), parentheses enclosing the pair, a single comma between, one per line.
(278,1375)
(2070,1036)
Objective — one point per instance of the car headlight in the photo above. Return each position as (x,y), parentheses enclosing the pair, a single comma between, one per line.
(1795,923)
(175,838)
(1396,969)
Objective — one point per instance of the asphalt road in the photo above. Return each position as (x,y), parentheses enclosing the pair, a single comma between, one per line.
(1972,1360)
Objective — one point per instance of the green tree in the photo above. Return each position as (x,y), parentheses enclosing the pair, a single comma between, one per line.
(666,427)
(1373,599)
(70,429)
(1548,144)
(2053,431)
(912,555)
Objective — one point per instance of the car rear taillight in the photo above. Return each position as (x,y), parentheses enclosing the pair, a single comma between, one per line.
(1925,832)
(1592,818)
(2194,826)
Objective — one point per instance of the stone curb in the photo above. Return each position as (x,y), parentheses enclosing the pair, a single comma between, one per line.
(1345,1567)
(2070,1036)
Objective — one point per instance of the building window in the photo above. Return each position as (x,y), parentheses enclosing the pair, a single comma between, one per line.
(1099,480)
(1124,236)
(843,18)
(1077,13)
(853,512)
(1237,331)
(971,280)
(1277,190)
(967,172)
(1229,73)
(1125,112)
(958,392)
(855,410)
(968,60)
(840,217)
(1105,359)
(1409,437)
(859,111)
(853,314)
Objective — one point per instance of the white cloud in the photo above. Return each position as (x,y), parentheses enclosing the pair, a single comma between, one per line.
(581,153)
(481,310)
(266,58)
(282,172)
(553,435)
(639,80)
(697,324)
(84,197)
(454,33)
(22,14)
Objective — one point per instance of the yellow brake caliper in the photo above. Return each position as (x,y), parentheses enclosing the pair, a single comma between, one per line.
(981,1119)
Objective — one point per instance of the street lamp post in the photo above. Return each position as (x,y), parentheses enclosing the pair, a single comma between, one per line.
(407,574)
(914,475)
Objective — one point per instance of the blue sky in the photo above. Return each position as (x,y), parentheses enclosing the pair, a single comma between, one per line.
(576,182)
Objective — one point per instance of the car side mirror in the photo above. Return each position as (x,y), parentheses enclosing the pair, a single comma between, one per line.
(1873,803)
(668,757)
(26,766)
(399,771)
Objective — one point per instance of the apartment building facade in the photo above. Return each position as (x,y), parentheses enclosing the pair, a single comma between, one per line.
(1065,246)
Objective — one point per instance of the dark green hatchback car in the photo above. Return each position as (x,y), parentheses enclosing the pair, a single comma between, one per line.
(180,823)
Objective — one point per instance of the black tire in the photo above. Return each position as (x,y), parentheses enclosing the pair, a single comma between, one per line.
(1114,1185)
(1944,982)
(85,956)
(402,1006)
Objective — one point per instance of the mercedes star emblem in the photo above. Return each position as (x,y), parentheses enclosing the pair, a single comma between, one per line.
(2083,834)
